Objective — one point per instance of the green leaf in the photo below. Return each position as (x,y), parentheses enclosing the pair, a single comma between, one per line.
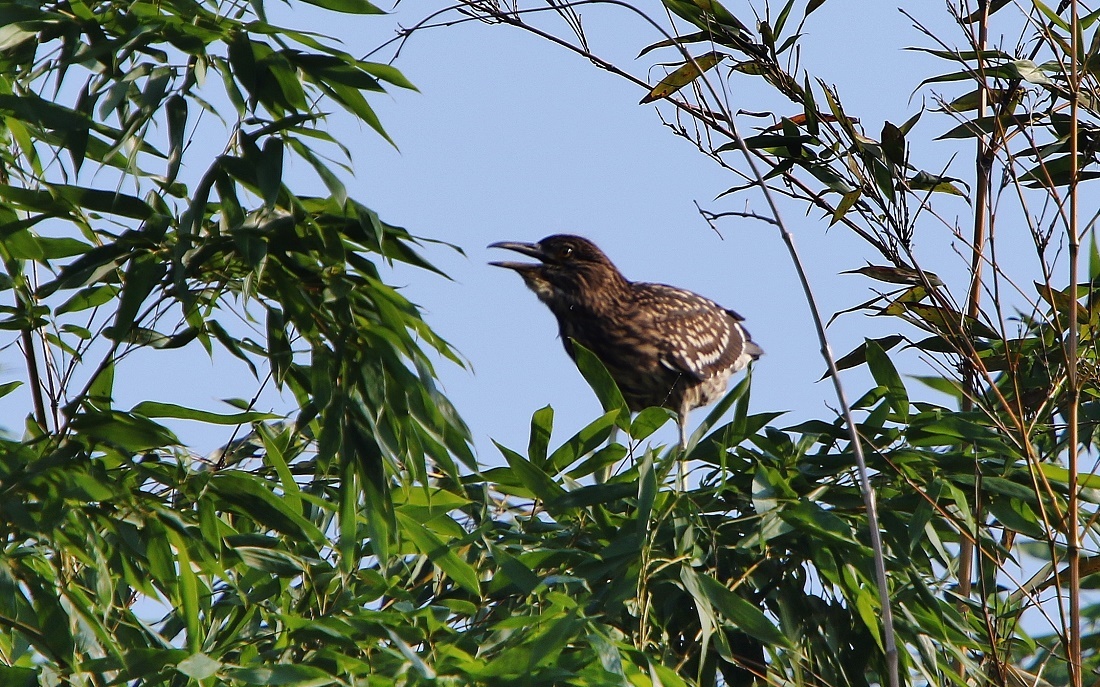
(647,494)
(33,109)
(515,572)
(199,666)
(90,297)
(897,275)
(176,113)
(597,376)
(687,39)
(858,355)
(332,182)
(1059,474)
(540,484)
(1094,251)
(986,125)
(253,497)
(588,439)
(270,560)
(63,247)
(893,144)
(811,518)
(924,181)
(269,171)
(943,320)
(154,409)
(1058,172)
(649,421)
(1052,16)
(982,12)
(846,203)
(142,276)
(8,387)
(739,394)
(128,432)
(95,200)
(601,460)
(387,73)
(869,610)
(885,374)
(348,6)
(591,495)
(440,554)
(189,590)
(542,423)
(360,447)
(353,101)
(284,674)
(348,532)
(747,617)
(1018,516)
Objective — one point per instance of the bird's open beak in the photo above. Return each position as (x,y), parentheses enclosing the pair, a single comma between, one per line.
(529,249)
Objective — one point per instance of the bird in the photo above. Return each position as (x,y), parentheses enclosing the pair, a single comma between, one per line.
(663,346)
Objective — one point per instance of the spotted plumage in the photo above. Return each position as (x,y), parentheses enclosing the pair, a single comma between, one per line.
(664,346)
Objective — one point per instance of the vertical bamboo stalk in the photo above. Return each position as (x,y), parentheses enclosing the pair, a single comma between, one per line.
(1073,540)
(35,380)
(982,166)
(983,161)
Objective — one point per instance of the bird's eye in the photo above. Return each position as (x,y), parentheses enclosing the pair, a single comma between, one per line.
(566,252)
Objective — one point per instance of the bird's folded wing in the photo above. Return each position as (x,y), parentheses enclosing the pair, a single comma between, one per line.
(699,337)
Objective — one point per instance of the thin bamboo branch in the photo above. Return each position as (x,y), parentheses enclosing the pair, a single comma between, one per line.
(846,412)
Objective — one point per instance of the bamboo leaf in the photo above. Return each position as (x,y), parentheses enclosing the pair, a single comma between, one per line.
(601,382)
(440,554)
(744,615)
(685,74)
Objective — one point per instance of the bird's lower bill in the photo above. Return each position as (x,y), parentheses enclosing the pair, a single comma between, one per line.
(531,272)
(532,276)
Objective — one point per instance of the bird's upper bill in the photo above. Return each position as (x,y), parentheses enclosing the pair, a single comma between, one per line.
(529,249)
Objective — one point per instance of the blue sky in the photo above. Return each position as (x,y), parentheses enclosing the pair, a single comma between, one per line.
(514,138)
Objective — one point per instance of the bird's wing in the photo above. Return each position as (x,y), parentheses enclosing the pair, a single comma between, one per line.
(700,337)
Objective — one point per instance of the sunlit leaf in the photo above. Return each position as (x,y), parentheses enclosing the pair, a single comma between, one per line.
(682,76)
(601,382)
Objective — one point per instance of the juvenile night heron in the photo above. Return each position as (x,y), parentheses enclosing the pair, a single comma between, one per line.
(662,345)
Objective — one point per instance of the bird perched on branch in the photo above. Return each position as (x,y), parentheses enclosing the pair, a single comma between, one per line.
(663,346)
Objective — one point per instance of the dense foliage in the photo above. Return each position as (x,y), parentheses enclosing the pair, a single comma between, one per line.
(970,493)
(354,541)
(127,556)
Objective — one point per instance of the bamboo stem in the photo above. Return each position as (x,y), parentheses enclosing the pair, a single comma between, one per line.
(982,163)
(1073,540)
(34,379)
(846,411)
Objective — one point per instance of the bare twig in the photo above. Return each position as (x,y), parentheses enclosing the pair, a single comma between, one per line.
(712,217)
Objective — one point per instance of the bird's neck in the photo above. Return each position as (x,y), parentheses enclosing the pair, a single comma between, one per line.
(602,294)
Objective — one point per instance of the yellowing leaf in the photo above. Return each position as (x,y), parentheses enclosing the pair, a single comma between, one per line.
(688,72)
(844,206)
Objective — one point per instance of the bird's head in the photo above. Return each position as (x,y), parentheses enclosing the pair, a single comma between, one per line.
(571,269)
